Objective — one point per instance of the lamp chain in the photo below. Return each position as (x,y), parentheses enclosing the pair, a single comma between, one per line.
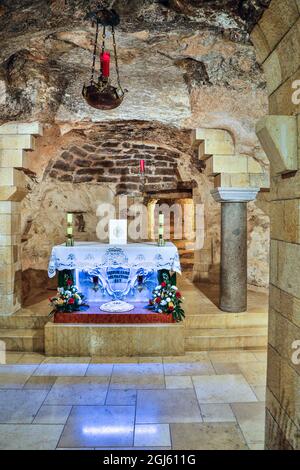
(95,52)
(116,58)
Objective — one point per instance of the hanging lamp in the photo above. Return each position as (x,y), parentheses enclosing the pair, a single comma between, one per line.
(101,93)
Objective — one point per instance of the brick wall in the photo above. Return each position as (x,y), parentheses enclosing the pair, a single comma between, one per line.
(110,154)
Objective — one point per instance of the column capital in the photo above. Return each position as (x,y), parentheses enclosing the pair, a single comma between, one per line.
(234,194)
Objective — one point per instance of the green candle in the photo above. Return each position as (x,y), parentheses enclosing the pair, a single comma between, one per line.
(70,230)
(69,218)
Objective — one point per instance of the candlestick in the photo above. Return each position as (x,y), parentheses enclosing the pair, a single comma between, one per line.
(161,218)
(70,239)
(105,63)
(142,166)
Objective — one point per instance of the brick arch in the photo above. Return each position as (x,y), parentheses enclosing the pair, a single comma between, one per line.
(276,38)
(109,154)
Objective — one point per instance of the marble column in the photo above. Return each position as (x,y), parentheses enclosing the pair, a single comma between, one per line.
(233,276)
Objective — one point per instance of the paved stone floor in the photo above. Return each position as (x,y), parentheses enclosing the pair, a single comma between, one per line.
(199,401)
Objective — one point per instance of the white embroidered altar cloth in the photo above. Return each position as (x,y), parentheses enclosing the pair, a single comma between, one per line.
(89,256)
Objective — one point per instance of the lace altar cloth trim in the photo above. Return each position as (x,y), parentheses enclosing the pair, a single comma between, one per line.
(90,256)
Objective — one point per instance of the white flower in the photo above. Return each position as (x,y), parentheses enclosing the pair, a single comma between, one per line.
(174,287)
(68,293)
(163,302)
(159,311)
(168,299)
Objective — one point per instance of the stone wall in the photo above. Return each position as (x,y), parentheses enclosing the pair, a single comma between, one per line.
(277,40)
(111,154)
(78,167)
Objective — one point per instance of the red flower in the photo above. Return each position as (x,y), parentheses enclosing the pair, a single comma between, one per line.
(163,284)
(171,309)
(178,295)
(158,300)
(69,282)
(71,301)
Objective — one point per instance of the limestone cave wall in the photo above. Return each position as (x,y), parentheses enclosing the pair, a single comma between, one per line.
(186,64)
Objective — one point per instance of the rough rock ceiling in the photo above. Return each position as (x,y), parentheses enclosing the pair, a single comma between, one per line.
(168,49)
(237,15)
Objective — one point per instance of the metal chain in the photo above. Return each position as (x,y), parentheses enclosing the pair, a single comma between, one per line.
(103,39)
(116,58)
(95,52)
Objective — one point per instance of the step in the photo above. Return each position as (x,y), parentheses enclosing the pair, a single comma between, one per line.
(233,338)
(226,320)
(26,321)
(23,339)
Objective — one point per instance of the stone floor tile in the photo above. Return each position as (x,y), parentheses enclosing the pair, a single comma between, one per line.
(99,426)
(150,360)
(231,356)
(100,370)
(20,406)
(114,360)
(12,357)
(40,382)
(121,397)
(204,436)
(137,376)
(223,389)
(217,413)
(32,358)
(29,437)
(254,372)
(152,435)
(177,381)
(17,369)
(257,446)
(167,406)
(78,391)
(188,357)
(52,414)
(261,356)
(251,419)
(189,368)
(222,368)
(13,382)
(62,367)
(260,392)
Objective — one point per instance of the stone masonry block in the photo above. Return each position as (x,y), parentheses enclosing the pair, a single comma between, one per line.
(10,224)
(8,207)
(226,164)
(285,220)
(9,240)
(13,158)
(278,136)
(11,177)
(277,20)
(9,303)
(288,273)
(281,102)
(272,70)
(25,142)
(262,47)
(34,128)
(9,255)
(12,193)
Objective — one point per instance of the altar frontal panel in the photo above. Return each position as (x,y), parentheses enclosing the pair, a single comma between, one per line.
(114,340)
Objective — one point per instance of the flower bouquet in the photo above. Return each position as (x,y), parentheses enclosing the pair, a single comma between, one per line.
(67,299)
(167,299)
